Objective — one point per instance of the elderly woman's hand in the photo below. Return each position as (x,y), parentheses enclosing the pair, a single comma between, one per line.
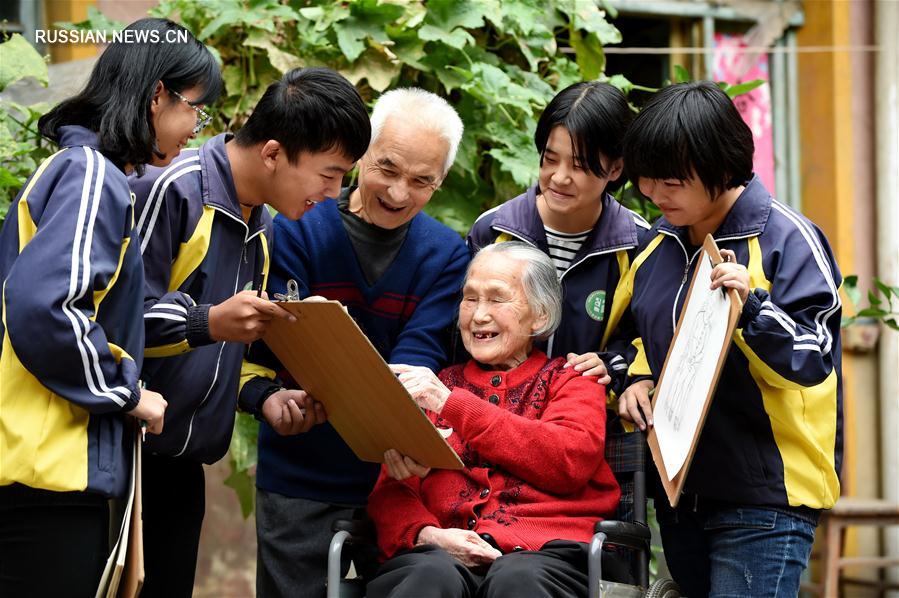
(464,545)
(589,364)
(426,388)
(400,467)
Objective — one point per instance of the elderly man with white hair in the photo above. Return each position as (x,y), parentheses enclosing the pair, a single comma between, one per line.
(398,272)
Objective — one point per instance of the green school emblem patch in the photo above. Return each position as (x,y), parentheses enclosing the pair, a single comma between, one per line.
(596,305)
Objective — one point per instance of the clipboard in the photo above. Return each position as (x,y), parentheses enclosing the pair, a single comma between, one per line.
(674,484)
(331,358)
(123,575)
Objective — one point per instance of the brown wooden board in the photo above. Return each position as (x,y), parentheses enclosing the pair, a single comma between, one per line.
(674,486)
(123,575)
(330,357)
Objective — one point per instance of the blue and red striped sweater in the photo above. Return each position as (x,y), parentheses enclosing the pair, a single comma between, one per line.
(408,315)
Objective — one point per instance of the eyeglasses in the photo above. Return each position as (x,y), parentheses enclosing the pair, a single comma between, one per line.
(203,117)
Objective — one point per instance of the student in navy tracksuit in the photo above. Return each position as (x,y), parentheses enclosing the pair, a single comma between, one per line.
(570,216)
(769,455)
(205,236)
(72,333)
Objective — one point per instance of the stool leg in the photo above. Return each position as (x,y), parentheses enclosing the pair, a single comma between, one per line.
(833,549)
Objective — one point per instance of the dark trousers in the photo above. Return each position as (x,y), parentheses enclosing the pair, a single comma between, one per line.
(292,539)
(51,543)
(174,502)
(558,570)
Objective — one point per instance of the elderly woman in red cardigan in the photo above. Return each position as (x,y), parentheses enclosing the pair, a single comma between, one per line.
(530,432)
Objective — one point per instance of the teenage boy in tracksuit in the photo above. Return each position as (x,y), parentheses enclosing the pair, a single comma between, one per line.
(205,234)
(768,460)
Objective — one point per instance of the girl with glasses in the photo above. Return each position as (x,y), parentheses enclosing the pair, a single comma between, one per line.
(72,303)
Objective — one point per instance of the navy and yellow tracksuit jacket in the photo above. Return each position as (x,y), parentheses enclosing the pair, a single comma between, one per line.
(72,330)
(773,435)
(198,251)
(590,284)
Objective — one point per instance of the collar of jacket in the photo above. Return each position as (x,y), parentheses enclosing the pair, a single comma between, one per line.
(747,217)
(615,230)
(76,135)
(218,182)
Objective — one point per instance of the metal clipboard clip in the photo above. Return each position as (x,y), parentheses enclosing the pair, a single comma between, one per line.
(293,292)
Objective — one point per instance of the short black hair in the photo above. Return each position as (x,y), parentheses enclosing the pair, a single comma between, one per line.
(596,115)
(116,101)
(311,109)
(690,128)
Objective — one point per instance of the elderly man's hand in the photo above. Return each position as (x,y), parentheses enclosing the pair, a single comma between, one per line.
(588,364)
(464,545)
(426,389)
(292,412)
(400,467)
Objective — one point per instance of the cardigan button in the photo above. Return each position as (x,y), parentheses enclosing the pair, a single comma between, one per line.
(485,492)
(517,549)
(496,380)
(493,399)
(472,522)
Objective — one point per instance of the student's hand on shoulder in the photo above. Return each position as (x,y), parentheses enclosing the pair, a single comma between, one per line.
(634,399)
(292,412)
(400,467)
(731,275)
(588,364)
(244,318)
(151,409)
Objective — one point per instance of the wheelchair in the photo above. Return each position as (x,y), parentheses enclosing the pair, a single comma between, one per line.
(628,533)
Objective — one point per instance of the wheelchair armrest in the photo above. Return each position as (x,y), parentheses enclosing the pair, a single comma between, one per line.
(357,528)
(623,533)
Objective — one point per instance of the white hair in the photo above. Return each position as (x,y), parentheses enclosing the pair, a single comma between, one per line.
(539,280)
(423,109)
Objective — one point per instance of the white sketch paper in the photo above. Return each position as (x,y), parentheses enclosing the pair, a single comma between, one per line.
(690,370)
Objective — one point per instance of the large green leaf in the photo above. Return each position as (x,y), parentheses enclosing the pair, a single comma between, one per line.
(446,15)
(593,20)
(375,68)
(19,60)
(368,19)
(588,52)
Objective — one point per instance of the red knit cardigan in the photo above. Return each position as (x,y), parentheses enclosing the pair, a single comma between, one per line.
(532,442)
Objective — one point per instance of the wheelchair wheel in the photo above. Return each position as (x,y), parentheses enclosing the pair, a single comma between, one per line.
(663,588)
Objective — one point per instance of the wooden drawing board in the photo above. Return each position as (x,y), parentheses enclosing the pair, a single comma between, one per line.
(331,358)
(123,575)
(674,484)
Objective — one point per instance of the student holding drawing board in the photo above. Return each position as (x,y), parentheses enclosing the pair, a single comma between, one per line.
(769,452)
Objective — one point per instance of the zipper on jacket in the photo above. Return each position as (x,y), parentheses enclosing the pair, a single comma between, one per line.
(246,241)
(683,279)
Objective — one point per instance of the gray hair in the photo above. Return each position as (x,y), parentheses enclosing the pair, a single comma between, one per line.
(539,280)
(421,108)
